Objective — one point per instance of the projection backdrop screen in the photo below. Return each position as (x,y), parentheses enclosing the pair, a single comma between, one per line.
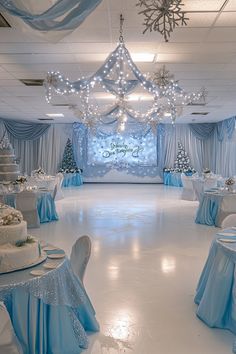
(118,149)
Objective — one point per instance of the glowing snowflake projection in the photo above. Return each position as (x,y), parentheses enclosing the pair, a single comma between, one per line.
(162,15)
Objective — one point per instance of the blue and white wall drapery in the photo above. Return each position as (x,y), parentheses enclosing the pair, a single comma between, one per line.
(219,147)
(25,130)
(45,149)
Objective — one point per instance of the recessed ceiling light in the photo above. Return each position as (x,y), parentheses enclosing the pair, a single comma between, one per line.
(55,115)
(167,114)
(143,57)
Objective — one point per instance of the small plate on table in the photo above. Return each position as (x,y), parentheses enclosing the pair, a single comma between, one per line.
(37,272)
(50,265)
(50,248)
(56,255)
(226,233)
(227,240)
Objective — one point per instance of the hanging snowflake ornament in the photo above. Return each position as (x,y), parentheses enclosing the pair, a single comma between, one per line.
(162,15)
(162,77)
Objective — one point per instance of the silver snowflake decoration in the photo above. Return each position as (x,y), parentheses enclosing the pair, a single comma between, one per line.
(162,15)
(162,77)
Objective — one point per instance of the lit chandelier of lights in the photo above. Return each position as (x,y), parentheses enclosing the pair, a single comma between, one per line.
(162,15)
(114,78)
(175,95)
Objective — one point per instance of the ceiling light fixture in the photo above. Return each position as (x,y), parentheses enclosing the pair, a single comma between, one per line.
(55,115)
(120,77)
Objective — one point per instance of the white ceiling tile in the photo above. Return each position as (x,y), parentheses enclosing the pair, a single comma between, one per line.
(203,5)
(230,6)
(185,34)
(222,34)
(7,83)
(198,20)
(227,19)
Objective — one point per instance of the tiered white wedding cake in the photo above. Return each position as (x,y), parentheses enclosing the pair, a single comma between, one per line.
(9,170)
(17,250)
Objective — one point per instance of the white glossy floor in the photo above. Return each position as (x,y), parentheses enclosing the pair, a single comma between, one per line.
(147,256)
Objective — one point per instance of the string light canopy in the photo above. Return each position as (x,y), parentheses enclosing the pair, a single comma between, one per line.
(162,16)
(120,77)
(175,95)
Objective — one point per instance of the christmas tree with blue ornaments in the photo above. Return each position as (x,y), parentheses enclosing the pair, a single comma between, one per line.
(182,162)
(68,164)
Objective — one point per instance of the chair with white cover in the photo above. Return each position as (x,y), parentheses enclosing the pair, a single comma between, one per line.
(58,194)
(9,343)
(26,202)
(188,192)
(80,255)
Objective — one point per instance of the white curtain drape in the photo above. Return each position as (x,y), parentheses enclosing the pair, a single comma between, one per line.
(194,147)
(221,155)
(45,152)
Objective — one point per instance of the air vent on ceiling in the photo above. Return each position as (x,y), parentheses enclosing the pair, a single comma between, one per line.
(45,119)
(200,113)
(61,104)
(32,82)
(196,104)
(4,22)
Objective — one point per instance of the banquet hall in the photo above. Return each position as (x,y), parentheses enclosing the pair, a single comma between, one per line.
(117,176)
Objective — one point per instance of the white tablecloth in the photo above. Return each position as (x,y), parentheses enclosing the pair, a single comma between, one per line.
(46,182)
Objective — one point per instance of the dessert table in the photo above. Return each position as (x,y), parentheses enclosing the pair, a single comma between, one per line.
(51,312)
(72,180)
(216,289)
(46,205)
(172,179)
(215,206)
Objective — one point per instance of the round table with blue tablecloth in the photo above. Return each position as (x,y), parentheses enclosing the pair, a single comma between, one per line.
(46,205)
(50,313)
(215,295)
(172,179)
(215,206)
(72,180)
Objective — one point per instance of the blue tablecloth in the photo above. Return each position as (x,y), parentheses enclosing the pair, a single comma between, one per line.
(207,212)
(172,179)
(46,206)
(216,288)
(72,180)
(51,313)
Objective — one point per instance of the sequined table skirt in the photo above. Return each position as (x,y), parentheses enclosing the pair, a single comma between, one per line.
(50,313)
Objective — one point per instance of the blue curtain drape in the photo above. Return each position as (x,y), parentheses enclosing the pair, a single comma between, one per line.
(202,131)
(25,130)
(225,128)
(63,15)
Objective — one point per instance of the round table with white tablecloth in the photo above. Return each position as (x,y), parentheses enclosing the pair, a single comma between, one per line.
(42,182)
